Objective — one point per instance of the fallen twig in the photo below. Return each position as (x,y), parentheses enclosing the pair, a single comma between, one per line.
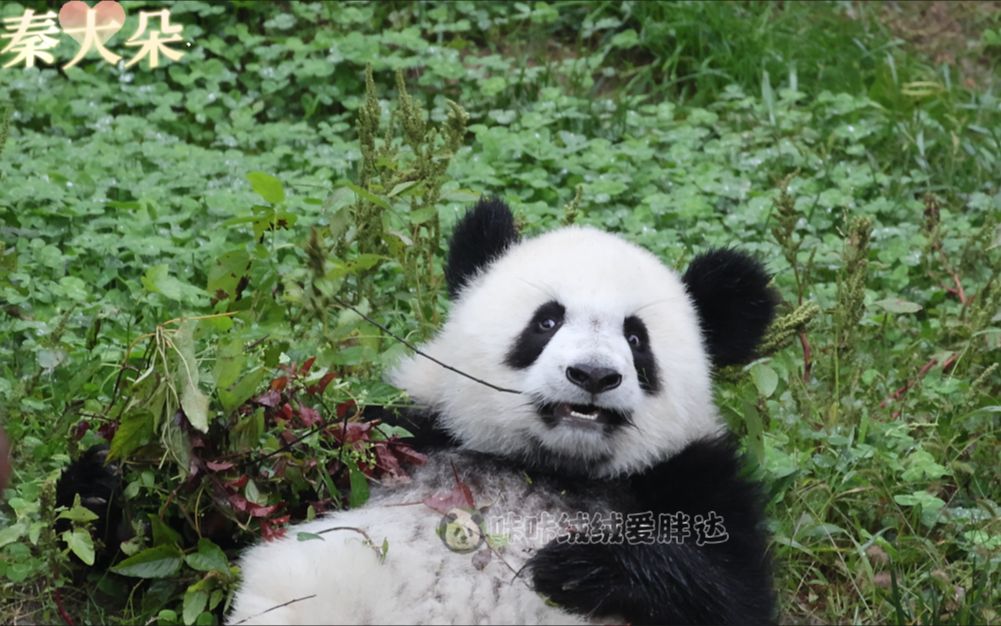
(378,551)
(275,608)
(903,389)
(899,393)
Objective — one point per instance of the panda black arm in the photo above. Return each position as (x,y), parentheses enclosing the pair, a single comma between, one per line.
(727,582)
(423,425)
(99,485)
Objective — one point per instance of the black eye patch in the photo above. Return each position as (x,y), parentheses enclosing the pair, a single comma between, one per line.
(545,323)
(639,342)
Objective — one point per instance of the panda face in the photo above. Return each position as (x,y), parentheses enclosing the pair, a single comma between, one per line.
(601,339)
(585,368)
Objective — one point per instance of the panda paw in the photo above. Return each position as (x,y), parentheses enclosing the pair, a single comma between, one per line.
(579,577)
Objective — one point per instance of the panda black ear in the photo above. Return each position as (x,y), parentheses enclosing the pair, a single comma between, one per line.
(735,305)
(481,236)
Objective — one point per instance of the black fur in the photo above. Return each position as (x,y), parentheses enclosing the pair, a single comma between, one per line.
(533,339)
(672,583)
(423,425)
(100,488)
(643,359)
(735,305)
(481,236)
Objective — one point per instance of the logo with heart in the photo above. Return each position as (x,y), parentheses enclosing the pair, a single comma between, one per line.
(108,16)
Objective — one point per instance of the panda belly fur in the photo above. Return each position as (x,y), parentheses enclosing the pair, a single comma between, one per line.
(420,581)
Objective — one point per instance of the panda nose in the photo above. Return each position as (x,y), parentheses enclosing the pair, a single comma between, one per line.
(594,379)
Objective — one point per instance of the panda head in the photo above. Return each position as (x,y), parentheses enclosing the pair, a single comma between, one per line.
(611,350)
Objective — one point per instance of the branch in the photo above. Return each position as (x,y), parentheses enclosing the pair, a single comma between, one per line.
(58,597)
(807,359)
(275,608)
(903,389)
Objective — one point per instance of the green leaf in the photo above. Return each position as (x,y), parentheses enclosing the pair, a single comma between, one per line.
(242,219)
(401,187)
(22,507)
(74,288)
(193,401)
(215,598)
(157,562)
(385,431)
(267,186)
(328,482)
(229,362)
(765,379)
(196,407)
(208,558)
(163,534)
(80,544)
(135,430)
(930,505)
(253,494)
(49,360)
(420,216)
(246,434)
(177,443)
(369,196)
(625,39)
(896,305)
(194,604)
(921,465)
(768,95)
(205,619)
(236,394)
(363,262)
(78,513)
(304,536)
(35,531)
(11,533)
(982,539)
(359,488)
(461,195)
(226,270)
(157,279)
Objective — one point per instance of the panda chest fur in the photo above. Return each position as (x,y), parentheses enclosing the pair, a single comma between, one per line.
(448,547)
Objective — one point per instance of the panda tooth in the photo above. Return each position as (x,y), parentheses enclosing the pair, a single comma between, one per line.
(582,412)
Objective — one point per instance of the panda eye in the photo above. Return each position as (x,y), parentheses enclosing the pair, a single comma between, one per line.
(547,324)
(635,341)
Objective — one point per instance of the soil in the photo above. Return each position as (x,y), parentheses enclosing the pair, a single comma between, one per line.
(949,33)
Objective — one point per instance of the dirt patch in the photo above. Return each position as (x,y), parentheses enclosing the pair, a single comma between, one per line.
(948,32)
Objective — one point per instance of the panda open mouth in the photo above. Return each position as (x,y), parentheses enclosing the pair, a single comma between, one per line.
(581,415)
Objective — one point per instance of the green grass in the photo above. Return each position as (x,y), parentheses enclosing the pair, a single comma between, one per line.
(863,173)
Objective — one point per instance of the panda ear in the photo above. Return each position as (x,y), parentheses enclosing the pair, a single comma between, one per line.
(735,305)
(481,236)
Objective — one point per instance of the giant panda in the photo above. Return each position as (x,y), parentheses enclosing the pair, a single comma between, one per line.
(577,399)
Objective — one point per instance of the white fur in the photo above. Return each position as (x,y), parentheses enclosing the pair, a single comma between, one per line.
(600,279)
(420,581)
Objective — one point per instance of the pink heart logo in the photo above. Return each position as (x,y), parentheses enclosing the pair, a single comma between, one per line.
(109,17)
